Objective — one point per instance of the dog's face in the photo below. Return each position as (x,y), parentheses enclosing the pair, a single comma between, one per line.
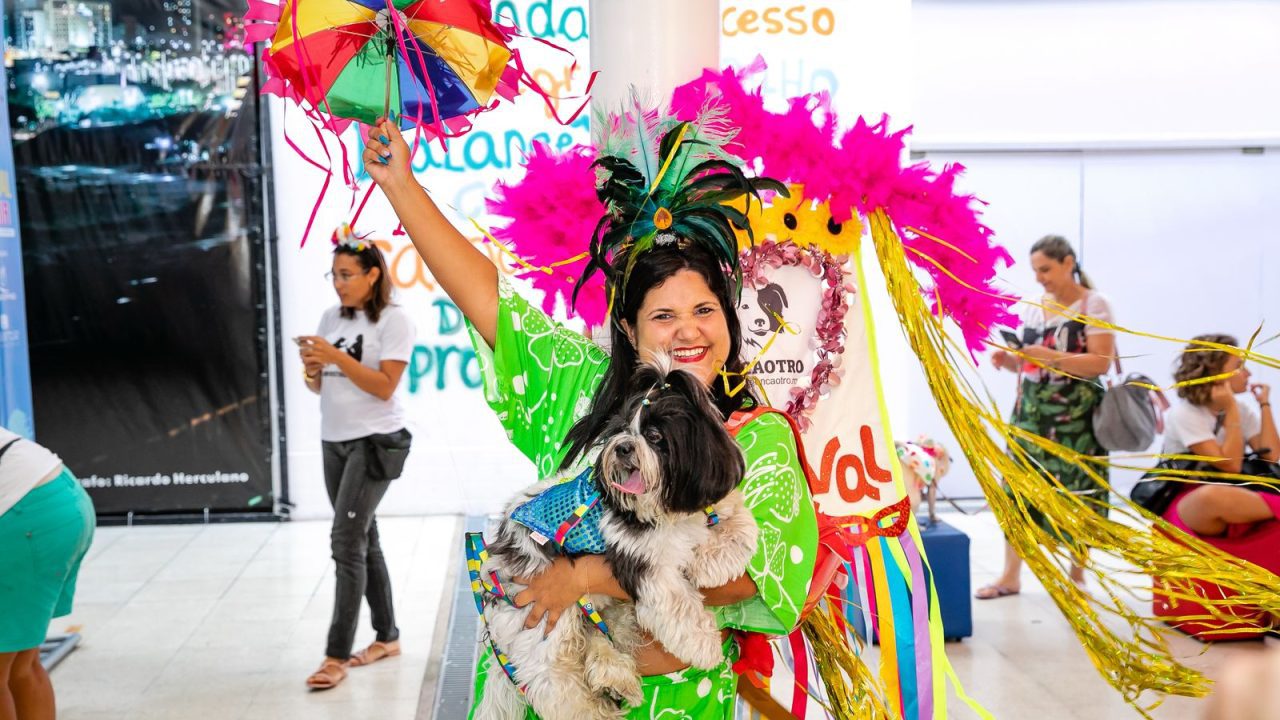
(754,320)
(668,451)
(759,310)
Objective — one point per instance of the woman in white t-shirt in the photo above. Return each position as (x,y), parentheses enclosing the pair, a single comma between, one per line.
(354,362)
(1213,421)
(1058,392)
(46,527)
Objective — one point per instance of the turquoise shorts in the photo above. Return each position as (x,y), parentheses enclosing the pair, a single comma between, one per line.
(42,541)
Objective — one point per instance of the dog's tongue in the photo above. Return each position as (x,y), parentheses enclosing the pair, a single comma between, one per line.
(633,485)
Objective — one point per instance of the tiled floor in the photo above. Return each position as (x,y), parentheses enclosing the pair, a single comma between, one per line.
(226,621)
(1024,661)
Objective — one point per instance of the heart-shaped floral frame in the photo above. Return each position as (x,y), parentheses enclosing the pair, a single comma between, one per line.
(827,343)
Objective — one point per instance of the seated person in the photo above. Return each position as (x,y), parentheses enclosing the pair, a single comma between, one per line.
(1212,421)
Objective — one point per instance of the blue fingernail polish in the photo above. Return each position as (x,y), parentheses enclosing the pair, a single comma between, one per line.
(383,139)
(382,160)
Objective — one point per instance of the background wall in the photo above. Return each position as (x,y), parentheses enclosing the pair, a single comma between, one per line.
(1118,72)
(1121,125)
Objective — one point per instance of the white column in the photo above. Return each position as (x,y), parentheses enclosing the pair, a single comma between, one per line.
(860,51)
(655,45)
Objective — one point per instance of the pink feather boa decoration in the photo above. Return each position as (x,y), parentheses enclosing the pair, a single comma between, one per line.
(553,209)
(861,170)
(552,212)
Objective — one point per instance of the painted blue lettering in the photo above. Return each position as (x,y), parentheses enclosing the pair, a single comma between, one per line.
(420,363)
(565,30)
(479,149)
(450,316)
(542,20)
(430,362)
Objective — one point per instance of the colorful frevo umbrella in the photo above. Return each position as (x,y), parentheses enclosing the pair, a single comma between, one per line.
(431,63)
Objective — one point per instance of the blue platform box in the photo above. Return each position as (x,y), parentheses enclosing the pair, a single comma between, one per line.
(948,552)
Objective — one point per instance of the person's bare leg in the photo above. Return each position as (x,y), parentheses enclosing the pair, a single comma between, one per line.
(1077,574)
(29,684)
(7,709)
(1077,569)
(1009,582)
(1208,509)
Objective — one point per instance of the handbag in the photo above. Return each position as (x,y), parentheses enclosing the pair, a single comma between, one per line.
(1130,413)
(389,452)
(1256,465)
(1155,492)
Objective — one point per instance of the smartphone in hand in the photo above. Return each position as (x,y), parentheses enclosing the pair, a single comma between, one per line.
(1012,339)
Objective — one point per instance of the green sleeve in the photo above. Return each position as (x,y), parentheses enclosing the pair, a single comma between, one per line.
(539,377)
(777,493)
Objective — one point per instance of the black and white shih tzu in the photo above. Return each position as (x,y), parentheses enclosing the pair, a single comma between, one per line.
(666,460)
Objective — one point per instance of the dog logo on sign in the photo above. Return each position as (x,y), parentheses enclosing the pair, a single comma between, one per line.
(761,311)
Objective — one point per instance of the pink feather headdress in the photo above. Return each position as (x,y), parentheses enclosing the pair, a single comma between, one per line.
(551,211)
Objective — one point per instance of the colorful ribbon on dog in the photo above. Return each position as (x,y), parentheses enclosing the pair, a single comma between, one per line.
(477,555)
(575,518)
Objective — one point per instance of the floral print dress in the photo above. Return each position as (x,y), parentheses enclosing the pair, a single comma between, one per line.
(1058,407)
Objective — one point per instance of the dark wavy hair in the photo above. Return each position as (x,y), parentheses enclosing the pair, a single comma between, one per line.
(652,269)
(369,258)
(1198,361)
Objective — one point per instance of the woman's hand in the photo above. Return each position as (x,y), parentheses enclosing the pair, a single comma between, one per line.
(316,351)
(312,369)
(386,156)
(1221,399)
(1261,392)
(1004,360)
(552,592)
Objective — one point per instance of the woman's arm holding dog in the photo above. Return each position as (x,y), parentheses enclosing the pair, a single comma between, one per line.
(559,587)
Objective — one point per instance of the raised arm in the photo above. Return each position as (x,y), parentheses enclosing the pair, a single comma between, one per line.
(464,273)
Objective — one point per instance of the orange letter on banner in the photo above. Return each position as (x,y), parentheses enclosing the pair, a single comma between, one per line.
(877,473)
(840,471)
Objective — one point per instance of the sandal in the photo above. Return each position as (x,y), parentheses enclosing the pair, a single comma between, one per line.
(994,591)
(375,652)
(331,673)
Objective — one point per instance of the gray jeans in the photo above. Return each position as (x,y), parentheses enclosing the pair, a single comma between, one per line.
(361,568)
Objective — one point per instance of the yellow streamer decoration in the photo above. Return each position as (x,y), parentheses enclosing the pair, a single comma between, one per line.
(545,269)
(1127,646)
(851,684)
(786,325)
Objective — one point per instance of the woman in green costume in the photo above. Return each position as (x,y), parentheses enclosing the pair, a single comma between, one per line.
(673,290)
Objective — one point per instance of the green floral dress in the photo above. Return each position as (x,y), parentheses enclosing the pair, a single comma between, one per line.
(539,379)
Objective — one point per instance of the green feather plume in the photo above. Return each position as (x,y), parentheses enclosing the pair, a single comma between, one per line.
(648,161)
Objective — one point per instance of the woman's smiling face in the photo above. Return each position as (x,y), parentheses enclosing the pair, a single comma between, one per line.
(683,317)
